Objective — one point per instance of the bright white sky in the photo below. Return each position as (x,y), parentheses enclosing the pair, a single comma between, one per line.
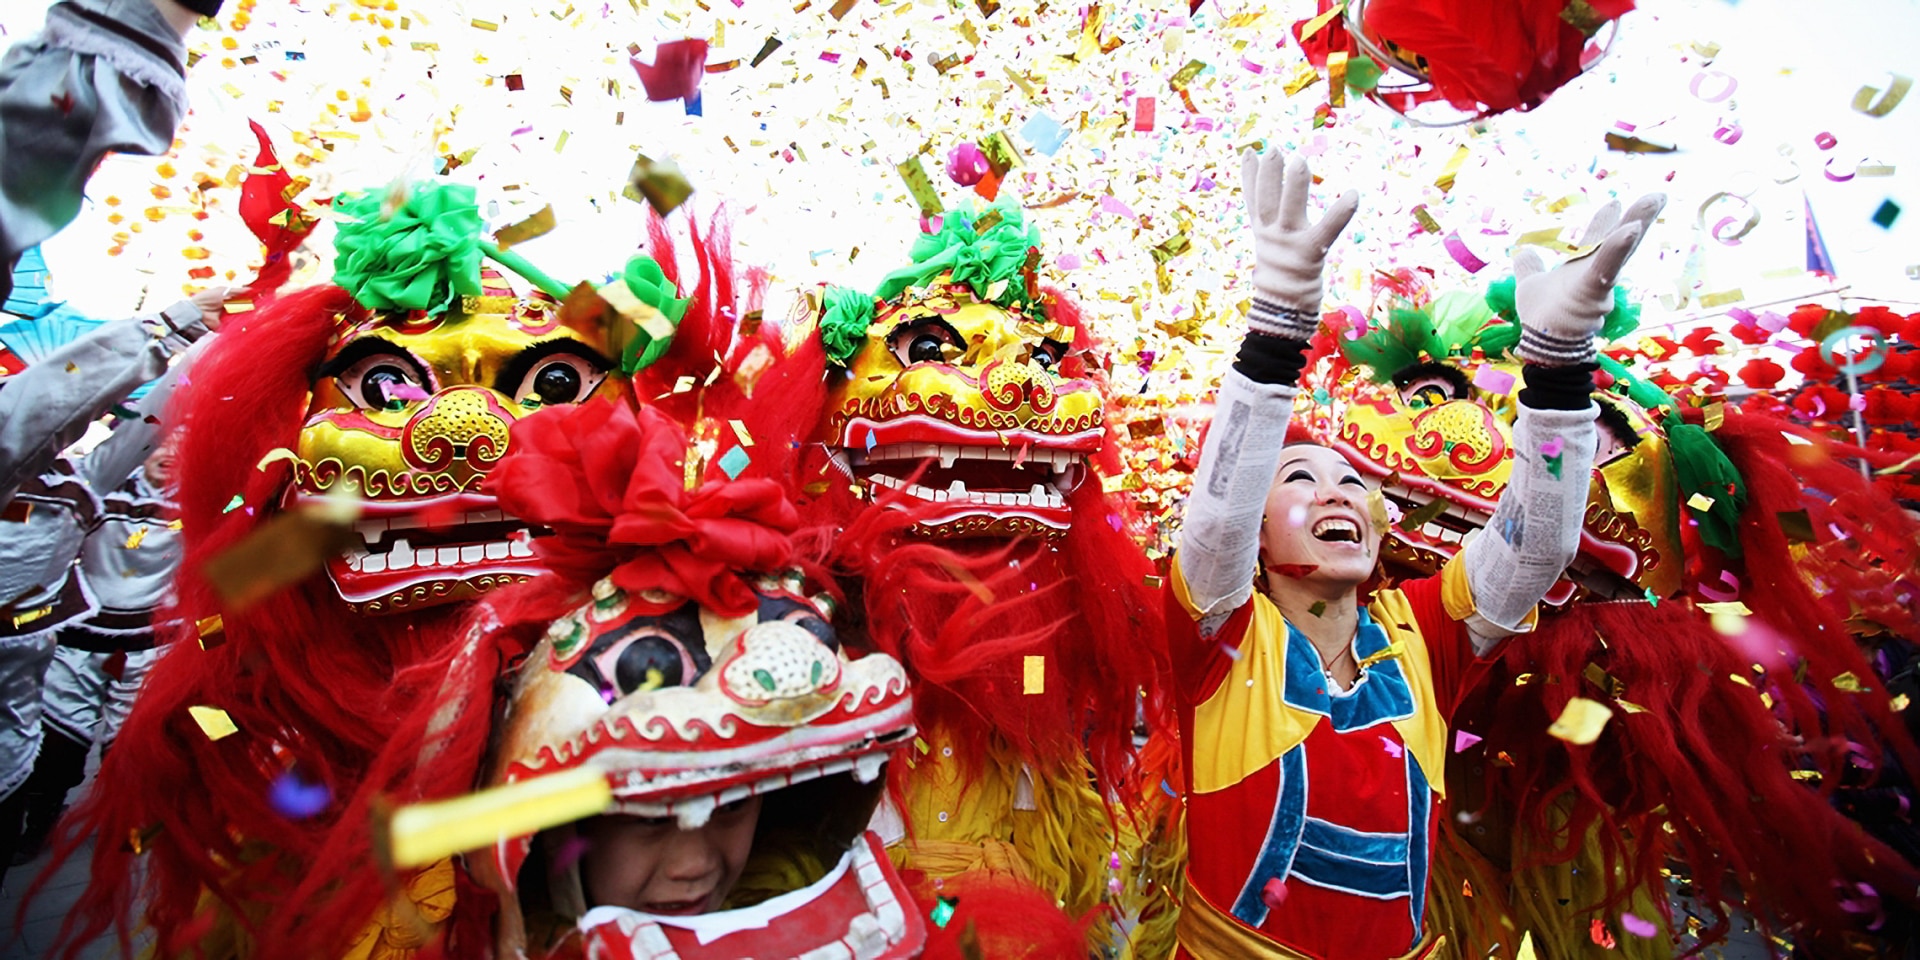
(1797,67)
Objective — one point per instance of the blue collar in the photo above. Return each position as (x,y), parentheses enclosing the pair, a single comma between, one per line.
(1379,695)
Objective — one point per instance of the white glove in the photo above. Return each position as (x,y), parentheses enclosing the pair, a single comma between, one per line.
(1561,309)
(1288,252)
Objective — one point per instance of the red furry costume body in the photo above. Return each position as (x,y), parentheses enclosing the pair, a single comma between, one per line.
(1024,614)
(404,407)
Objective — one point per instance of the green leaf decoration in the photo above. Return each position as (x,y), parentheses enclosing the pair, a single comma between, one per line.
(417,257)
(649,284)
(1390,347)
(1700,467)
(981,260)
(844,322)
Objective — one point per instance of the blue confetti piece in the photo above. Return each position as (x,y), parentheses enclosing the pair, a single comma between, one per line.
(734,461)
(297,800)
(1044,134)
(693,106)
(870,441)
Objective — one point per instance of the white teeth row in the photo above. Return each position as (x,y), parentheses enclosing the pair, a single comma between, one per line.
(1040,495)
(403,556)
(371,530)
(693,812)
(1335,523)
(948,453)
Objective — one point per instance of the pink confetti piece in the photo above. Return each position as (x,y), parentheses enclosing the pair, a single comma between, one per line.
(1727,85)
(1231,652)
(1493,379)
(1637,926)
(1394,750)
(1552,448)
(405,391)
(1461,255)
(1274,893)
(1068,261)
(1111,204)
(1825,140)
(1462,740)
(830,57)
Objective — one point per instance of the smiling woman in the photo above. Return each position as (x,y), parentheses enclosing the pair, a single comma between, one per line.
(1311,838)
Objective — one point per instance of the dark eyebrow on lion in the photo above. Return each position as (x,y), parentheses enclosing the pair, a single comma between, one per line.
(366,347)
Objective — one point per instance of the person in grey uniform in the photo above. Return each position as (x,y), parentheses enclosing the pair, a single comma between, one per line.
(67,574)
(127,565)
(101,76)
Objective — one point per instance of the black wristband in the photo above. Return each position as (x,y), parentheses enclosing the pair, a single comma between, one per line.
(1558,388)
(205,8)
(1271,360)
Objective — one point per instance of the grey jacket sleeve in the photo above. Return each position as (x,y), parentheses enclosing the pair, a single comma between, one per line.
(107,466)
(48,406)
(102,76)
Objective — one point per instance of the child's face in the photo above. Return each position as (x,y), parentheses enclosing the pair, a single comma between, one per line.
(651,865)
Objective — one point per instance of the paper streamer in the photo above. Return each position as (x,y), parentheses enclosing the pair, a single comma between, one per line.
(1727,85)
(1865,99)
(1461,255)
(1875,355)
(422,833)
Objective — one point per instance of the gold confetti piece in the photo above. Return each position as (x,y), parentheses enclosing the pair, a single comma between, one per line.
(1445,180)
(211,631)
(1900,702)
(486,25)
(1337,78)
(1581,722)
(1526,951)
(1700,502)
(1734,607)
(421,833)
(1000,152)
(1548,237)
(1391,651)
(22,619)
(213,722)
(841,7)
(279,553)
(540,224)
(1630,707)
(1722,298)
(920,186)
(1171,247)
(1034,680)
(1743,681)
(1186,75)
(1429,224)
(740,432)
(1850,683)
(1304,76)
(1151,582)
(659,184)
(137,537)
(921,745)
(1631,144)
(1864,100)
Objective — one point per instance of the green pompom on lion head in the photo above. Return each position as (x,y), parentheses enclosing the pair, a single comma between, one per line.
(845,315)
(414,247)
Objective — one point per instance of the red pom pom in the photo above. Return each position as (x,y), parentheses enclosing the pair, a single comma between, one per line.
(1806,317)
(1810,365)
(1761,373)
(1702,342)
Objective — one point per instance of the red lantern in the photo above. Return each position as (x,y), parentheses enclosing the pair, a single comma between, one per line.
(1761,373)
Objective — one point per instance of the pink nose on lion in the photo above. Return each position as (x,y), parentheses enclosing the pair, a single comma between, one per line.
(458,425)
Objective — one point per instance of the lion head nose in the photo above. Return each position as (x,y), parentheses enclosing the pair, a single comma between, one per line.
(461,425)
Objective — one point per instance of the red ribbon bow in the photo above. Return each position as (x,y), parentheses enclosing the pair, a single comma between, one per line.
(610,482)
